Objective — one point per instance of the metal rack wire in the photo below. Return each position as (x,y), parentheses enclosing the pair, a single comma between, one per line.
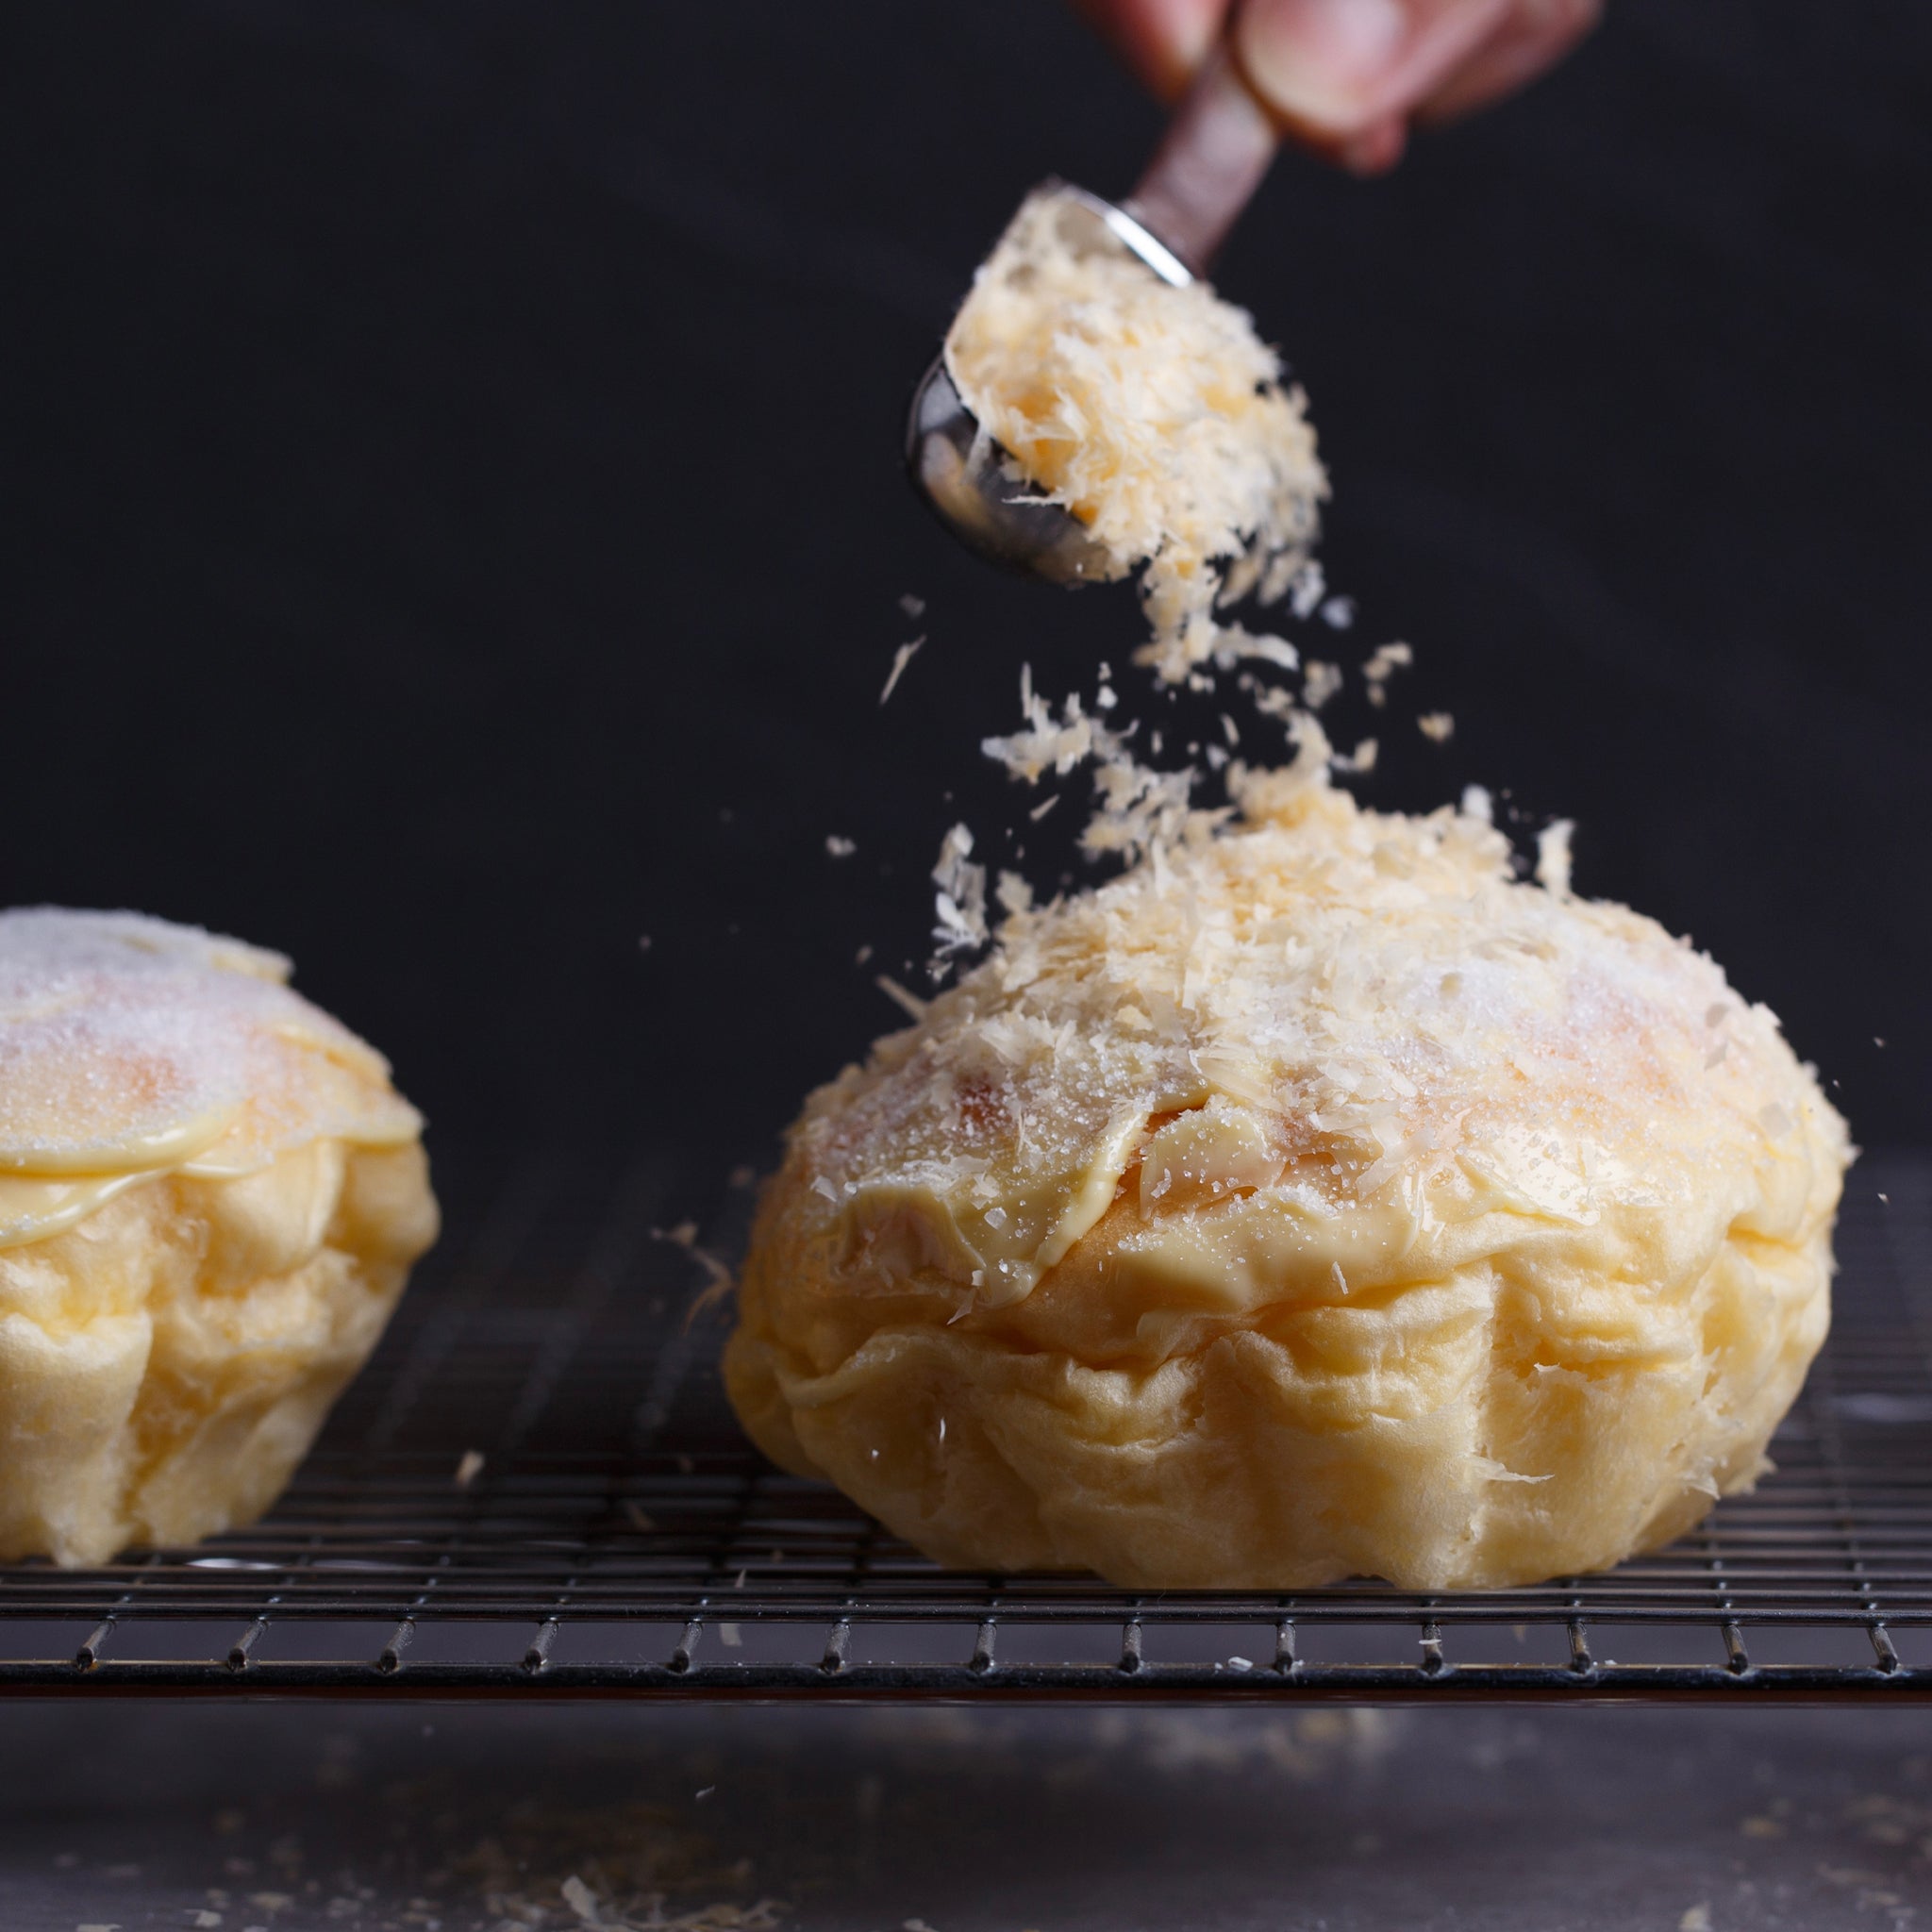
(619,1536)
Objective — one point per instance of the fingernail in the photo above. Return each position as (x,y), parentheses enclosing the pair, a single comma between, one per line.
(1321,61)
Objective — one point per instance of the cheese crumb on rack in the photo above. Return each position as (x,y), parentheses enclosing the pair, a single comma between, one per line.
(1154,413)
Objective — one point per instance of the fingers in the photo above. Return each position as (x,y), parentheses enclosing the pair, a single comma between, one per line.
(1335,70)
(1535,37)
(1348,78)
(1161,40)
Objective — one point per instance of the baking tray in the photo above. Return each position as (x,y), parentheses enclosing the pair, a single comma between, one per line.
(620,1538)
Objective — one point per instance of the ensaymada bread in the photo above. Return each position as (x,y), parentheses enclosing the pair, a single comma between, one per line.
(210,1198)
(1317,1199)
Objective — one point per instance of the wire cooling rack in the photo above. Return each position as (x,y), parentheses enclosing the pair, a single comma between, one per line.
(536,1487)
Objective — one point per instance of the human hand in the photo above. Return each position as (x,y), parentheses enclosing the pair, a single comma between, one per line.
(1349,77)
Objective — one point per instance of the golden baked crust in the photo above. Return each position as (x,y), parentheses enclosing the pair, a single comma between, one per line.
(1316,1200)
(209,1200)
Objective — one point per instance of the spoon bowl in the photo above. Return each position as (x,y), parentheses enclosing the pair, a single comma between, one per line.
(970,483)
(1216,151)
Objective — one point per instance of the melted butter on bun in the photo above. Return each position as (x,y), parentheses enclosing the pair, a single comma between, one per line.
(1317,1198)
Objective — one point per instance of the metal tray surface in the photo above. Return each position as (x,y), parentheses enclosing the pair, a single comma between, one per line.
(619,1536)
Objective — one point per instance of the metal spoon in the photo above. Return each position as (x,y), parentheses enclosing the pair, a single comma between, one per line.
(1212,160)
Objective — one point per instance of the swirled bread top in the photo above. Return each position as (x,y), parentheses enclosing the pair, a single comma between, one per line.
(130,1046)
(1362,1024)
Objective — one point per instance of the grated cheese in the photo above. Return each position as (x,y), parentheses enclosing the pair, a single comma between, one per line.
(1155,414)
(1042,745)
(1144,993)
(1307,587)
(959,904)
(1384,661)
(1553,857)
(1324,680)
(909,1003)
(901,657)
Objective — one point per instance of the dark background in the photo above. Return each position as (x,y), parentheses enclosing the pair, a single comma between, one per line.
(453,526)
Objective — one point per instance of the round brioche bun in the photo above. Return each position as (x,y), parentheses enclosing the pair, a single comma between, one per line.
(1317,1199)
(210,1198)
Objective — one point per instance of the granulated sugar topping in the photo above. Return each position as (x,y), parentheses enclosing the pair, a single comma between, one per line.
(128,1044)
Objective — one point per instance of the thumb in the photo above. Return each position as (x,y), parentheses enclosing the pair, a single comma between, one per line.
(1341,71)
